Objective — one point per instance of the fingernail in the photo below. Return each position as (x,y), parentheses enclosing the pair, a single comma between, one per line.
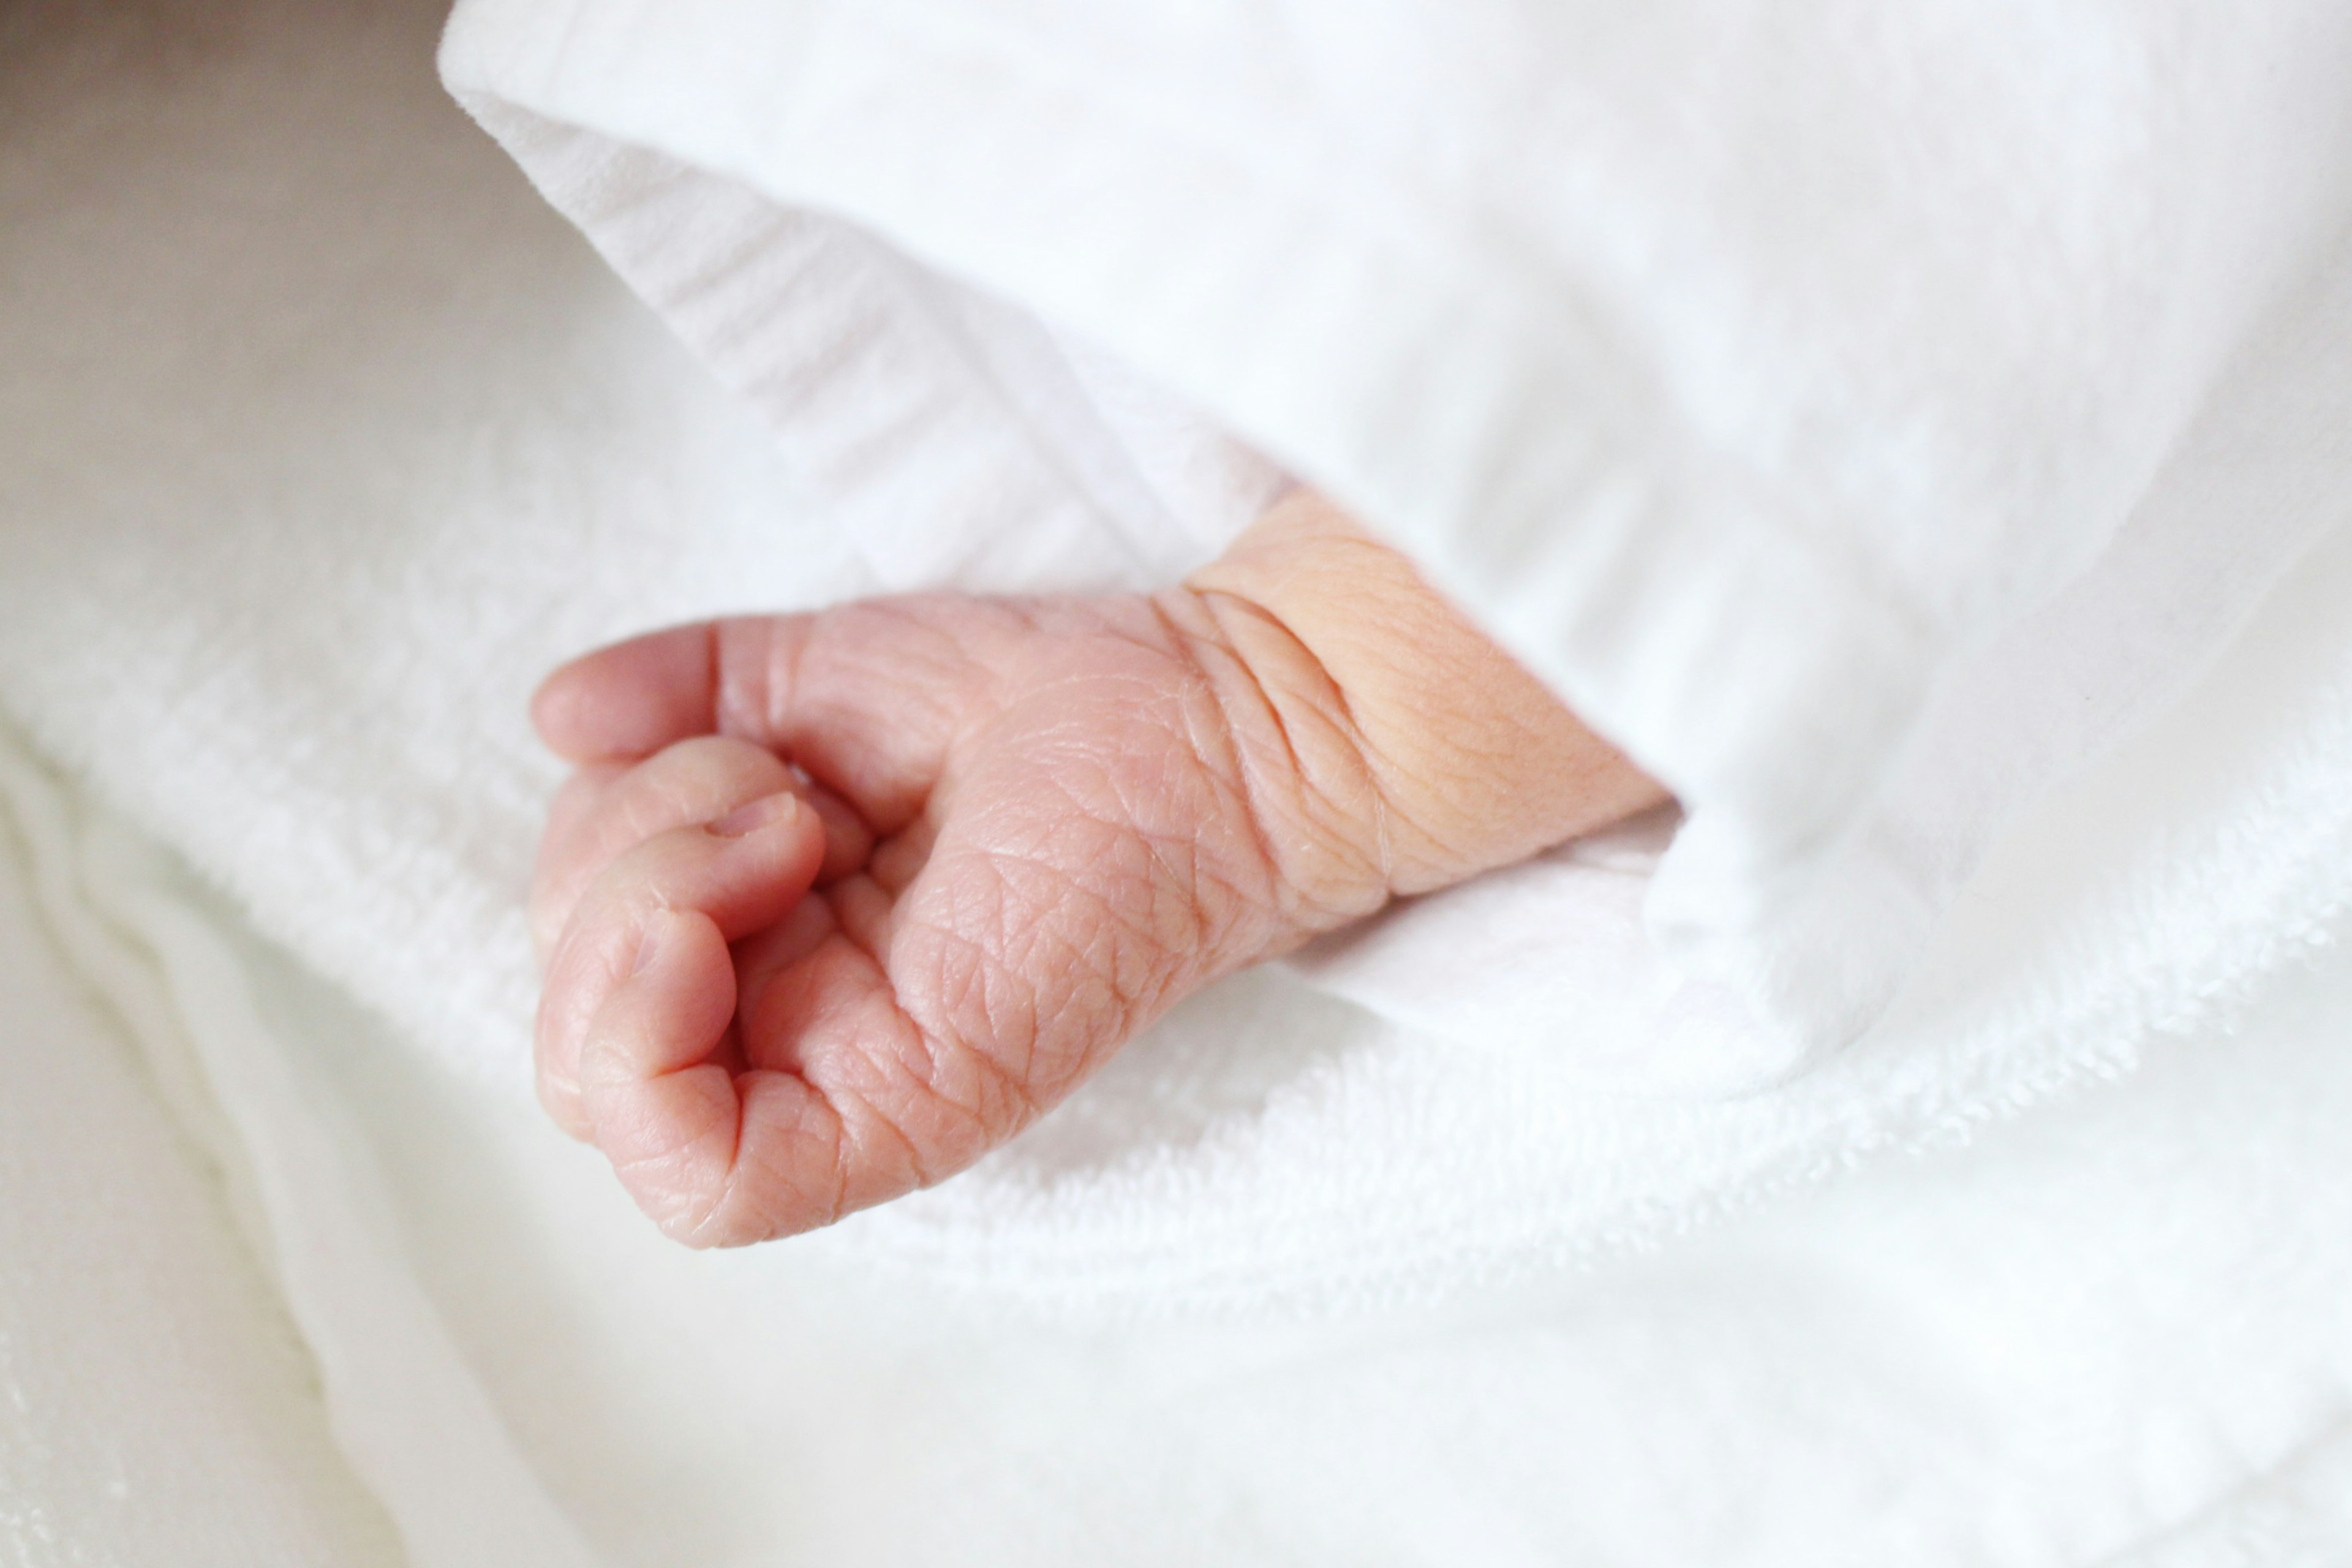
(760,813)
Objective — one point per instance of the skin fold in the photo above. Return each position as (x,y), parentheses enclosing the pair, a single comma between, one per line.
(836,902)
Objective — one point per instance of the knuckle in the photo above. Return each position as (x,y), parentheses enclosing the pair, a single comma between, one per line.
(753,659)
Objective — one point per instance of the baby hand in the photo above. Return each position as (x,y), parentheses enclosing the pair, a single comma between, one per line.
(838,902)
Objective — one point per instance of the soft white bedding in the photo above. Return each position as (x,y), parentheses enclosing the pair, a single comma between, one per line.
(1863,413)
(324,439)
(320,488)
(2107,1331)
(156,1403)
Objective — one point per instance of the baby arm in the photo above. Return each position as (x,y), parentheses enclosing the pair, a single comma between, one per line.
(836,902)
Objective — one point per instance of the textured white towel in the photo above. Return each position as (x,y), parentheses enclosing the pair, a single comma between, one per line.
(2111,1333)
(192,1435)
(1798,388)
(316,440)
(322,439)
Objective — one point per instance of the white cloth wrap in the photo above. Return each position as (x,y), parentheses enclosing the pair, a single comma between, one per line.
(1796,391)
(321,440)
(298,504)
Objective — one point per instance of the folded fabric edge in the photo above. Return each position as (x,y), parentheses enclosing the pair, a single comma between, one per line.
(1479,422)
(416,1430)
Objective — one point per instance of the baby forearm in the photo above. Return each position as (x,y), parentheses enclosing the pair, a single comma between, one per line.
(1393,747)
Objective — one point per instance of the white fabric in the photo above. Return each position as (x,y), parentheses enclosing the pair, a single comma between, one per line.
(1760,377)
(2109,1332)
(298,505)
(191,1435)
(293,506)
(295,510)
(267,1487)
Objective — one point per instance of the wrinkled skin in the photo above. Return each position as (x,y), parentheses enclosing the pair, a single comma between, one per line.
(836,902)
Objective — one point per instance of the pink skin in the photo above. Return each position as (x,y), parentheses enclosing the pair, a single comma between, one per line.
(1010,835)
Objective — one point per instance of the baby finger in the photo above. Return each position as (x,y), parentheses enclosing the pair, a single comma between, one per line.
(743,873)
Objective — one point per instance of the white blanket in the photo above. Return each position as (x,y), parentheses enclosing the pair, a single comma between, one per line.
(305,502)
(2107,1333)
(190,1435)
(321,439)
(1811,394)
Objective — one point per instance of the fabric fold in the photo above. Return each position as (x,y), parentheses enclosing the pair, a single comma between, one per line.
(300,506)
(1759,381)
